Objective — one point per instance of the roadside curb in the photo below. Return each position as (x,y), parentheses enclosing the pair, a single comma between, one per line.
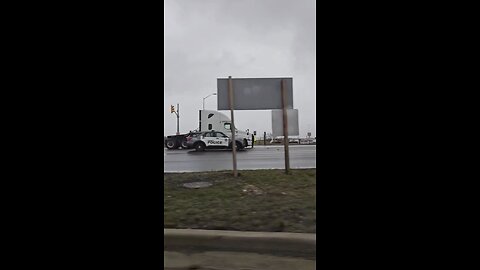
(278,243)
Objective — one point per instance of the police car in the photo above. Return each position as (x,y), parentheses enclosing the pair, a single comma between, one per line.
(211,140)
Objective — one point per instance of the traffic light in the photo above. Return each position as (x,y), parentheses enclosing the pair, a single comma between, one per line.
(172,109)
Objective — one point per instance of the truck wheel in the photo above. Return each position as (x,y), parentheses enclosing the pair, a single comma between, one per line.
(199,147)
(171,144)
(239,145)
(184,144)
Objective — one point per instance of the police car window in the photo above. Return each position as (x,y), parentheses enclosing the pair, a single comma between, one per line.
(226,126)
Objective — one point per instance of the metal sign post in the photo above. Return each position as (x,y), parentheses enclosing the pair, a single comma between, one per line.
(232,126)
(285,128)
(178,119)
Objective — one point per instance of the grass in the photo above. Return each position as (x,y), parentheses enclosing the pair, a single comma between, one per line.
(257,200)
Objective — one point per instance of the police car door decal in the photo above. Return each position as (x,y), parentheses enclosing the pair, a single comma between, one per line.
(213,141)
(222,138)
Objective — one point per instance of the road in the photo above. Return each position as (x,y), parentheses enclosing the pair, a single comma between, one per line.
(260,157)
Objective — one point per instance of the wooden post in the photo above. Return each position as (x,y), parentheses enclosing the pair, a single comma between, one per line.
(232,125)
(285,128)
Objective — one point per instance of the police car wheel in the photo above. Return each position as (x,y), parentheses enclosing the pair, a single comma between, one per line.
(199,147)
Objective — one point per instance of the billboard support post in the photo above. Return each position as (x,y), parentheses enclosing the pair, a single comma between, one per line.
(232,126)
(285,128)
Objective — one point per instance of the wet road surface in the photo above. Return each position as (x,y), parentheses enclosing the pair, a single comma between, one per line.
(260,157)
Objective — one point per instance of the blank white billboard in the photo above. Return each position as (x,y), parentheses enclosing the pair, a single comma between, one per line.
(255,93)
(277,122)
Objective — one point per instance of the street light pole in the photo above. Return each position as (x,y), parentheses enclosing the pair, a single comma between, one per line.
(214,94)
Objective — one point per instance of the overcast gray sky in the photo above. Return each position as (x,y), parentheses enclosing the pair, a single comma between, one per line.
(209,39)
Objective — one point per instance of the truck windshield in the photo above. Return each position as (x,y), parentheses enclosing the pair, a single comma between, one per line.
(227,126)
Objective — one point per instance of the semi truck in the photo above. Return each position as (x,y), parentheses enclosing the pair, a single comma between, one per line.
(210,121)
